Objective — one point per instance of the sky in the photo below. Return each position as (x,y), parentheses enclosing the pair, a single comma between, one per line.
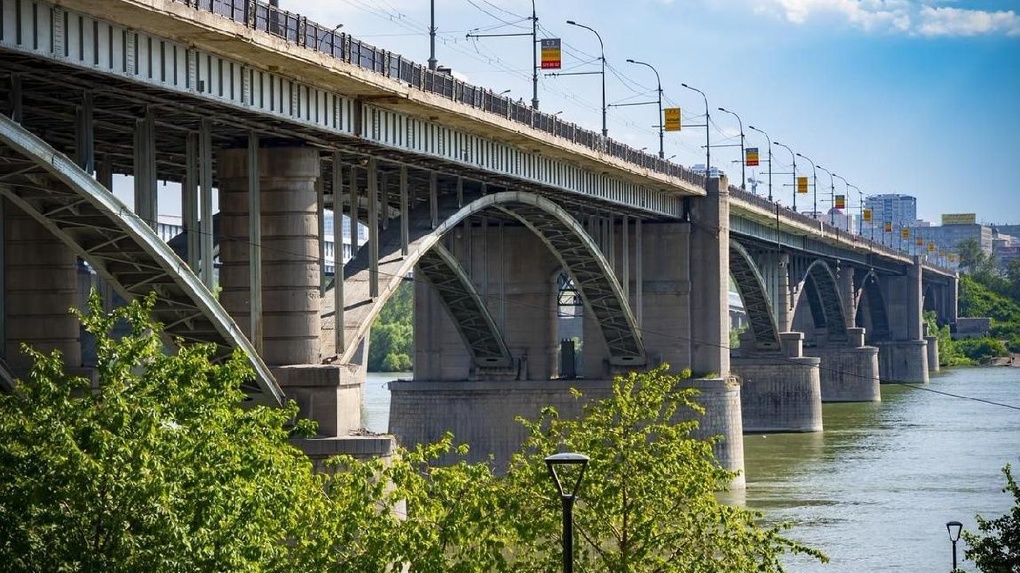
(920,97)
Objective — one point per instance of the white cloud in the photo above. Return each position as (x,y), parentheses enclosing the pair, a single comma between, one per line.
(905,16)
(963,22)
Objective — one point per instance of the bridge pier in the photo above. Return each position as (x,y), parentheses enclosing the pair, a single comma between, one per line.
(780,392)
(849,373)
(289,256)
(40,286)
(905,357)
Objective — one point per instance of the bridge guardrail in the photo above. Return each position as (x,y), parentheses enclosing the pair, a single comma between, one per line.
(342,46)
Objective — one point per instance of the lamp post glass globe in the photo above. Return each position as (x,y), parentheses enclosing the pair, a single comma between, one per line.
(954,528)
(568,493)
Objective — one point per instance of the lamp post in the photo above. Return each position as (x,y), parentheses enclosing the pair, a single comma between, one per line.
(814,183)
(567,496)
(832,196)
(318,40)
(794,157)
(658,89)
(602,52)
(860,215)
(708,139)
(769,140)
(954,528)
(534,48)
(743,161)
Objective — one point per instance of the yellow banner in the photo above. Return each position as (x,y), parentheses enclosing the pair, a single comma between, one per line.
(867,215)
(672,117)
(959,218)
(905,233)
(802,185)
(931,247)
(888,227)
(841,201)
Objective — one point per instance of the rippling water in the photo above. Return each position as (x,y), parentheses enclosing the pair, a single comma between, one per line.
(875,489)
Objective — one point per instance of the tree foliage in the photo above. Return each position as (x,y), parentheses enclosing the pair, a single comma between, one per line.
(996,549)
(391,343)
(648,499)
(158,468)
(155,469)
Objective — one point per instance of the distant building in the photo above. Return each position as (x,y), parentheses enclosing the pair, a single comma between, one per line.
(899,210)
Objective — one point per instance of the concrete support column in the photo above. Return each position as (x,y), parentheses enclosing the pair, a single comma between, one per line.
(780,392)
(952,310)
(904,361)
(784,314)
(915,300)
(849,373)
(845,284)
(666,295)
(710,274)
(933,351)
(290,263)
(41,286)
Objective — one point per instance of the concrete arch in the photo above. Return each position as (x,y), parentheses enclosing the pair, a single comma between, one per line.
(819,286)
(121,248)
(755,298)
(461,299)
(871,307)
(566,238)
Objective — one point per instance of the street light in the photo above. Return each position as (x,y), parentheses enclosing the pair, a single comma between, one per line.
(567,496)
(832,196)
(743,159)
(534,47)
(769,140)
(708,142)
(954,528)
(318,40)
(602,50)
(658,89)
(860,203)
(814,183)
(794,157)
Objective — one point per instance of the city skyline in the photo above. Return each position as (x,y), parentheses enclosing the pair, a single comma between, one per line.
(895,96)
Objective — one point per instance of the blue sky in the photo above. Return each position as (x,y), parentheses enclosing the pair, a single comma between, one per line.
(897,96)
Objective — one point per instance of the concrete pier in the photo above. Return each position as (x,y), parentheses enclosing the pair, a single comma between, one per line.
(41,277)
(483,413)
(780,392)
(291,340)
(849,373)
(903,361)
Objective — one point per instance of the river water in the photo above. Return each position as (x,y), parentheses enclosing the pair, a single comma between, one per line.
(875,489)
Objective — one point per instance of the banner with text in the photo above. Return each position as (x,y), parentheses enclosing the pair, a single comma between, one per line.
(672,116)
(888,226)
(841,201)
(751,156)
(550,53)
(905,233)
(802,185)
(867,215)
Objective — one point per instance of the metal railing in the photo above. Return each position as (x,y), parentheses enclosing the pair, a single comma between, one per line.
(299,30)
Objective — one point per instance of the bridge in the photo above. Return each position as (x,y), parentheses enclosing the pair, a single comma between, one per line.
(489,206)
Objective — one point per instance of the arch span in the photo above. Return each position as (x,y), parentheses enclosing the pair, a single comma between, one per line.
(575,250)
(819,286)
(871,308)
(754,296)
(121,248)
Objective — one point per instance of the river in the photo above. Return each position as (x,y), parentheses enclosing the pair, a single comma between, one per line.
(875,489)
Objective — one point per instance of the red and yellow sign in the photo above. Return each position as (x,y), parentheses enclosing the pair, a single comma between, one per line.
(550,53)
(867,215)
(802,185)
(919,241)
(751,157)
(905,233)
(931,247)
(888,226)
(841,201)
(672,119)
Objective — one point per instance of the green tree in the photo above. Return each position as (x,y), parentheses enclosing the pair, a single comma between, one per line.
(157,468)
(973,259)
(391,341)
(996,549)
(648,499)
